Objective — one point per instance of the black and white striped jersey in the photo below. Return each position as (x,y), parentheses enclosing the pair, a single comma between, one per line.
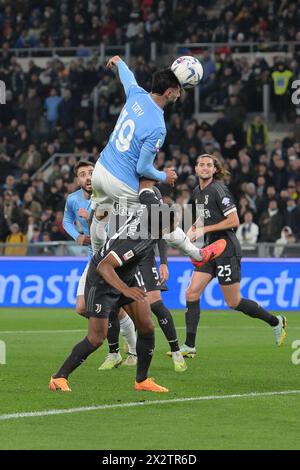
(212,205)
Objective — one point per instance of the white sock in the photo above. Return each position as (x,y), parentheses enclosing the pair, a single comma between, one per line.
(98,232)
(127,330)
(178,239)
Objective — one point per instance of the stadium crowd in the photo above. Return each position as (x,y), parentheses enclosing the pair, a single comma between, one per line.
(67,23)
(52,110)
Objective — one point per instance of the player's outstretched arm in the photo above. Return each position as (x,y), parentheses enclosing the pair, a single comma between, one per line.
(126,76)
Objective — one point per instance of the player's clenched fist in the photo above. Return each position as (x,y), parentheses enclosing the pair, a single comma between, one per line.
(83,240)
(113,61)
(171,176)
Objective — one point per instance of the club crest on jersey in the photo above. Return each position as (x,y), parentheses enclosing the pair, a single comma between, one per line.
(226,201)
(206,199)
(128,255)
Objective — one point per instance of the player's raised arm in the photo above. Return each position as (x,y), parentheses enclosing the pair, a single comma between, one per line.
(126,76)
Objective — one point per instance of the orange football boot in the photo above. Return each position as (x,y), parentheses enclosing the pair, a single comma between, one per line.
(210,252)
(59,384)
(149,385)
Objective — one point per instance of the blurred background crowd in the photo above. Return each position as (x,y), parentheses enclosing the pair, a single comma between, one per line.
(67,23)
(52,110)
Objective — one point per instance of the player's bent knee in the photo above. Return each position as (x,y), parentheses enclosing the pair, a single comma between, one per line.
(192,295)
(233,303)
(96,340)
(146,328)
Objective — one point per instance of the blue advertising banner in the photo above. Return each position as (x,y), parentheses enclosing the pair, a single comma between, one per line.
(52,282)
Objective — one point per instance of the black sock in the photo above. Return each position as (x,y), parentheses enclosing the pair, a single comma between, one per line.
(254,310)
(113,334)
(192,317)
(78,355)
(144,351)
(166,323)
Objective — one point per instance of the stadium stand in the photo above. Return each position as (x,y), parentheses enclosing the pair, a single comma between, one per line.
(71,107)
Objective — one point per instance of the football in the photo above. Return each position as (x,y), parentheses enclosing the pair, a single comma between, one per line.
(188,70)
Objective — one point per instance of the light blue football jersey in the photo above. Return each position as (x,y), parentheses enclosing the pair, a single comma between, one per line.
(139,131)
(73,224)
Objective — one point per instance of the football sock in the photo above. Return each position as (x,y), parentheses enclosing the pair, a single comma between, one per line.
(192,317)
(144,349)
(254,310)
(113,335)
(166,323)
(178,239)
(78,355)
(127,330)
(98,232)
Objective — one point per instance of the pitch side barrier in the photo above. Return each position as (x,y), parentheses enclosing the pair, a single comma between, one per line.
(52,282)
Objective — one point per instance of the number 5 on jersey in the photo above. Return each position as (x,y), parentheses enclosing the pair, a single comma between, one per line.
(124,131)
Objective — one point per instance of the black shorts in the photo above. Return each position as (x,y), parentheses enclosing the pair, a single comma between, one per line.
(102,300)
(150,274)
(227,270)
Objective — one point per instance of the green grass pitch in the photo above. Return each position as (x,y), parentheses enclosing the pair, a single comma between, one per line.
(235,355)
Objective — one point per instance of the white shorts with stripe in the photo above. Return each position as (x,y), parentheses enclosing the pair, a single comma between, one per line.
(108,189)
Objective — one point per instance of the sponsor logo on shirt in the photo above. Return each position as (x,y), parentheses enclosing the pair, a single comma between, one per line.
(206,199)
(226,201)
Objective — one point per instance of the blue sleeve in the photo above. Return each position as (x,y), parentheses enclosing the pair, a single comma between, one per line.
(69,220)
(126,76)
(147,155)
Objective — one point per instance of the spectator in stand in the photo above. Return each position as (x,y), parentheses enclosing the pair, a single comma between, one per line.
(282,241)
(31,160)
(34,110)
(23,184)
(270,223)
(16,237)
(220,128)
(282,78)
(230,149)
(31,207)
(247,232)
(11,211)
(236,114)
(280,174)
(51,105)
(292,216)
(66,111)
(257,137)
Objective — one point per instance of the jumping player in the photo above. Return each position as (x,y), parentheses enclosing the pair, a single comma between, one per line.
(137,137)
(220,219)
